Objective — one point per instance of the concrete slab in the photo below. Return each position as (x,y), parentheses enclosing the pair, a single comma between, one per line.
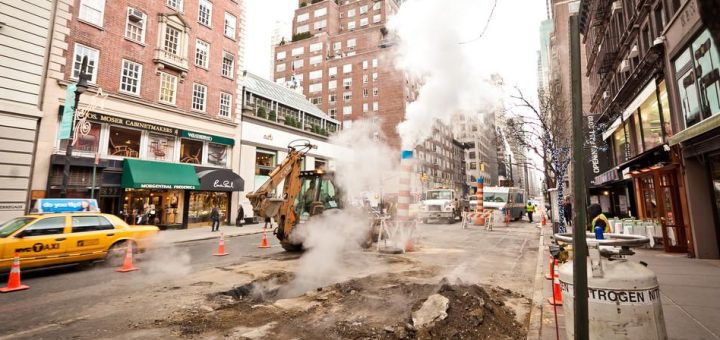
(682,327)
(692,296)
(708,317)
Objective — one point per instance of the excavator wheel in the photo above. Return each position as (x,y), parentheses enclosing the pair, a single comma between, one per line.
(294,248)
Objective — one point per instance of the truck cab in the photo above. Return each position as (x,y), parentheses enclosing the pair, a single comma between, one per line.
(441,204)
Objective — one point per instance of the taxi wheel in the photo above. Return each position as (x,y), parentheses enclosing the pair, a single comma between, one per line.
(116,254)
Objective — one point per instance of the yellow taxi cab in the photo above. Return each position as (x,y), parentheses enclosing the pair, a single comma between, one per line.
(62,231)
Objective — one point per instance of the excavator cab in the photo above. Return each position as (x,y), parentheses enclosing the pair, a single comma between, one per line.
(318,192)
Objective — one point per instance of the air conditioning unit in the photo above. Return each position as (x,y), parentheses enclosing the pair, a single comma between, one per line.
(135,15)
(616,6)
(347,87)
(624,66)
(634,52)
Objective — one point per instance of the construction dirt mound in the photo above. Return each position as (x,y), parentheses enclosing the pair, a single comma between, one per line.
(372,307)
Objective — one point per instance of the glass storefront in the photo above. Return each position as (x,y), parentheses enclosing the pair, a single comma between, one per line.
(698,74)
(160,147)
(156,206)
(124,142)
(86,142)
(621,147)
(191,151)
(201,205)
(265,162)
(651,126)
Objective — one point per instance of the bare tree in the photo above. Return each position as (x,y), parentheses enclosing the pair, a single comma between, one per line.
(545,129)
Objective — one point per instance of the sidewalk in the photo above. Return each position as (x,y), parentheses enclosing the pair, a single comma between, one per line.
(690,291)
(204,233)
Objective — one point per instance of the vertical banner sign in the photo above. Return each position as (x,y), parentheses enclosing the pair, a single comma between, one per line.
(68,112)
(596,155)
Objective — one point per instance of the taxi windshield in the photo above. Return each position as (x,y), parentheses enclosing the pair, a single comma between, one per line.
(13,225)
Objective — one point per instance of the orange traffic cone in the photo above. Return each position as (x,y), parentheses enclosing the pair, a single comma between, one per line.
(264,243)
(556,299)
(409,246)
(221,246)
(548,276)
(14,279)
(128,264)
(544,220)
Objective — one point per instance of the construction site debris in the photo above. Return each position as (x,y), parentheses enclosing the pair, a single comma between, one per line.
(433,309)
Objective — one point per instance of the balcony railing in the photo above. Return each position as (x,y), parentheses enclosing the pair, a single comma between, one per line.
(608,54)
(171,60)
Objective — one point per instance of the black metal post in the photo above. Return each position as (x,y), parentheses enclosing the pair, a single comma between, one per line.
(580,282)
(81,86)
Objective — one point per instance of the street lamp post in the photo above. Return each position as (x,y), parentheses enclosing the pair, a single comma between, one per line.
(82,86)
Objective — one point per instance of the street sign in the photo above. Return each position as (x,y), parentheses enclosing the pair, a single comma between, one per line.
(68,114)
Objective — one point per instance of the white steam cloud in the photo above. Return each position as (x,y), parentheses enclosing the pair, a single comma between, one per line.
(431,34)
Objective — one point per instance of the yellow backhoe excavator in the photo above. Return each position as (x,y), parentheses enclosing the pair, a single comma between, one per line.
(305,194)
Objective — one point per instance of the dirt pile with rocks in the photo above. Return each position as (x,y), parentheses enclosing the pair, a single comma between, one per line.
(372,307)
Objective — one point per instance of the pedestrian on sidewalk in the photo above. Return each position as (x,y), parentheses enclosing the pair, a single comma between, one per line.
(530,209)
(567,211)
(268,220)
(240,217)
(215,218)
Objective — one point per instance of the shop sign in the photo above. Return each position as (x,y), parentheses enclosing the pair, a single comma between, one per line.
(12,207)
(219,180)
(208,138)
(167,186)
(596,153)
(103,118)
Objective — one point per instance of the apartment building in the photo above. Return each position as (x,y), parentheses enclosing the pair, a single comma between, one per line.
(440,158)
(164,88)
(340,57)
(477,132)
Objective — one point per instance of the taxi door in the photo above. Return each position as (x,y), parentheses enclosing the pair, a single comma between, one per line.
(40,243)
(89,236)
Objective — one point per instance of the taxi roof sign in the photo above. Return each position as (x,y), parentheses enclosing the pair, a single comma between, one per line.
(62,205)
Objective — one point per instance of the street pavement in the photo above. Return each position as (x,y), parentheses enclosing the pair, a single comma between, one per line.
(81,303)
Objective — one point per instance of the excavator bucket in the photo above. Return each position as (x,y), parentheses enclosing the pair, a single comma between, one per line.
(271,206)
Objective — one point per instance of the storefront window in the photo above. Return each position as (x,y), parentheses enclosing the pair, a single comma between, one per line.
(191,151)
(88,142)
(160,147)
(156,207)
(201,205)
(264,164)
(665,106)
(650,119)
(698,77)
(635,126)
(124,142)
(622,149)
(217,154)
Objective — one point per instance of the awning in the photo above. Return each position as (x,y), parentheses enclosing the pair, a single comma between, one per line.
(219,180)
(158,175)
(698,129)
(609,176)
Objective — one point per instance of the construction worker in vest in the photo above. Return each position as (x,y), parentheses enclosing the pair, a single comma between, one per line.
(530,209)
(598,219)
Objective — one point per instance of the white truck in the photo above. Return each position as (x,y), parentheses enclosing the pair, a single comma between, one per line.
(443,204)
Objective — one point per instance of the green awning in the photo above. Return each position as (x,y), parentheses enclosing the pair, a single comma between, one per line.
(158,175)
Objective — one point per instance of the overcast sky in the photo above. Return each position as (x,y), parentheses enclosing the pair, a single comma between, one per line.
(509,47)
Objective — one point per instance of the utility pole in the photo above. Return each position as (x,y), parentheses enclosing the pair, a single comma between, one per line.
(82,86)
(580,283)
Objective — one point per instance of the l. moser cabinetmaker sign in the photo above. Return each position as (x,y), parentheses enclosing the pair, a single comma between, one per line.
(103,118)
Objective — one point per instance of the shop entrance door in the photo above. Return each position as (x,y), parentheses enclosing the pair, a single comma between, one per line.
(671,215)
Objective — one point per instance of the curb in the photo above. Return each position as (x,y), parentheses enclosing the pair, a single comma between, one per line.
(214,237)
(535,321)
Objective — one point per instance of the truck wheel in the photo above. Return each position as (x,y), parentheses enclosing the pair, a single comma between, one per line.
(293,248)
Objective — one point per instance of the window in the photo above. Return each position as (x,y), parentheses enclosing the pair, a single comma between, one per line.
(172,40)
(316,59)
(365,93)
(620,145)
(351,25)
(303,17)
(90,223)
(93,56)
(320,24)
(375,92)
(376,121)
(365,64)
(92,11)
(316,87)
(135,27)
(316,74)
(280,67)
(365,107)
(376,106)
(364,22)
(351,13)
(160,147)
(175,4)
(217,154)
(315,47)
(130,79)
(298,51)
(332,72)
(337,46)
(651,127)
(333,113)
(375,63)
(698,72)
(363,9)
(365,78)
(46,226)
(281,55)
(298,63)
(230,24)
(332,84)
(347,83)
(320,12)
(303,29)
(347,68)
(347,110)
(225,102)
(205,12)
(377,18)
(168,88)
(332,98)
(264,165)
(316,100)
(665,106)
(376,6)
(191,151)
(199,97)
(202,52)
(351,44)
(375,76)
(124,142)
(228,65)
(347,96)
(86,143)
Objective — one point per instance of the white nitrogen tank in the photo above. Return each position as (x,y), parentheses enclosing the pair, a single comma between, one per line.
(623,299)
